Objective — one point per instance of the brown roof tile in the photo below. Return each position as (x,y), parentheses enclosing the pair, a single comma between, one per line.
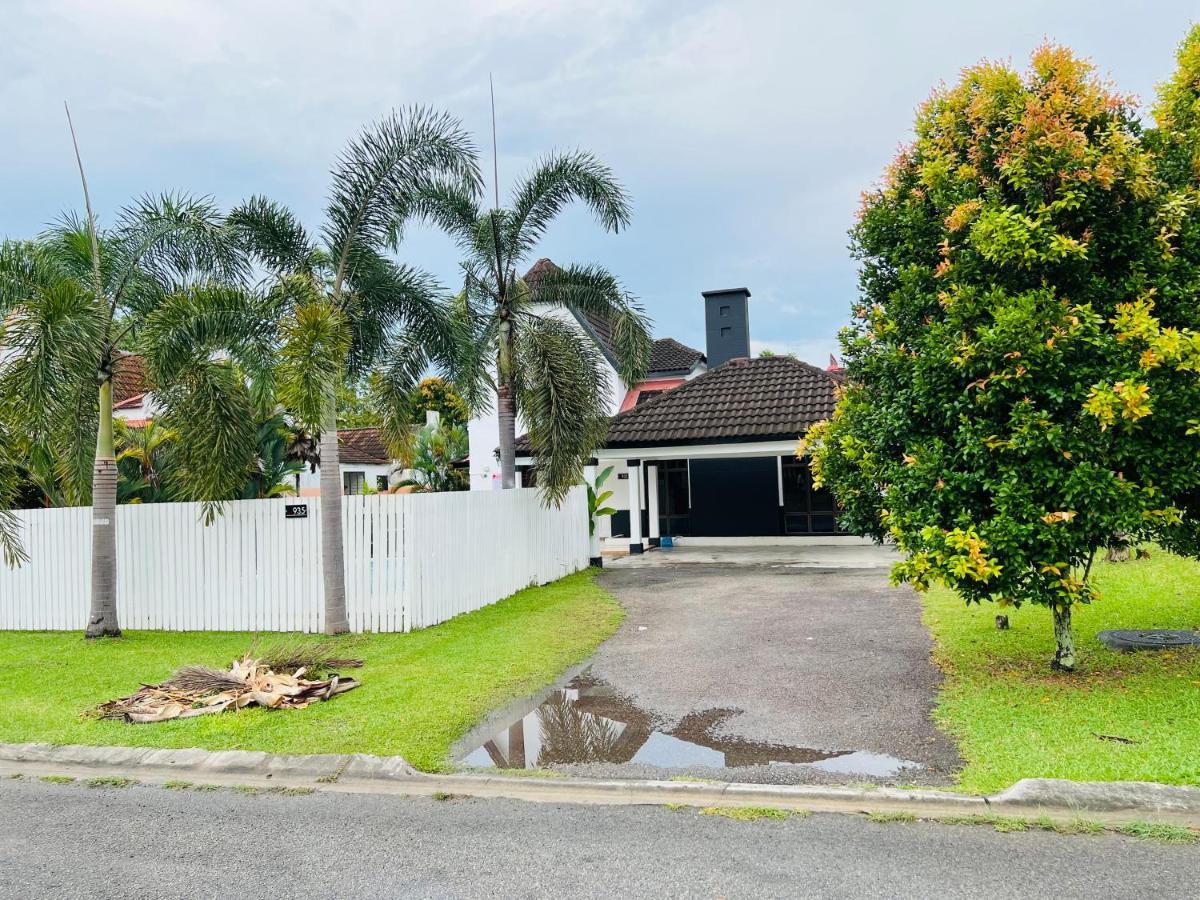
(362,446)
(129,377)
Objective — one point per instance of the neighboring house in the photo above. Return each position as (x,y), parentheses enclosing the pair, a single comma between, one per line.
(133,399)
(671,364)
(364,462)
(714,456)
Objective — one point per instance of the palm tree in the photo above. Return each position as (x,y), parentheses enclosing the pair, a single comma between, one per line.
(341,303)
(537,364)
(274,470)
(147,475)
(76,294)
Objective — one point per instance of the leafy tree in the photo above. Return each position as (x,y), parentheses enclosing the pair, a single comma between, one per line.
(438,394)
(71,299)
(433,454)
(1022,385)
(538,365)
(341,303)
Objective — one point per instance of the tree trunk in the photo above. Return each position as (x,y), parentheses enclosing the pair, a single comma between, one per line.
(333,564)
(506,406)
(102,621)
(508,436)
(1064,638)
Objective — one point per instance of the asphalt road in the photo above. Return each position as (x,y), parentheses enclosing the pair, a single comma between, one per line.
(77,841)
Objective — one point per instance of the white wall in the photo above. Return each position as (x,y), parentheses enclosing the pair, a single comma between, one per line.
(484,431)
(411,561)
(310,481)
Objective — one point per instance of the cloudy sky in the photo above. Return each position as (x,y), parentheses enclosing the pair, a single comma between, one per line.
(744,130)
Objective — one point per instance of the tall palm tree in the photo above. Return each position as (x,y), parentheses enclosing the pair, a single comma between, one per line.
(70,299)
(535,364)
(341,302)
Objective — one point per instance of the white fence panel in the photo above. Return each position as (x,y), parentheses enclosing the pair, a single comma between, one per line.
(411,561)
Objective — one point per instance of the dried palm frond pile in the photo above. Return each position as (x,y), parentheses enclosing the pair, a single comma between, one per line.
(202,690)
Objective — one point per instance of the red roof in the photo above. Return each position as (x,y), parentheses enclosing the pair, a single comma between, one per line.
(129,377)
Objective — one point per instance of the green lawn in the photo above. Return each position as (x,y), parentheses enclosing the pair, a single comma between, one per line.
(420,692)
(1015,719)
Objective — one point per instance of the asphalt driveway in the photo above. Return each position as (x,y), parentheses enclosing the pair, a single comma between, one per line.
(752,667)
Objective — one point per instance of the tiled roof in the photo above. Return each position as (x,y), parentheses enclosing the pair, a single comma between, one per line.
(668,355)
(129,377)
(362,446)
(765,399)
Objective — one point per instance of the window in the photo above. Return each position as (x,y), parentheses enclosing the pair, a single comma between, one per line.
(726,331)
(381,482)
(724,312)
(806,509)
(353,482)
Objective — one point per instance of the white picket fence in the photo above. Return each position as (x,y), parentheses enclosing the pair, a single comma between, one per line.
(411,561)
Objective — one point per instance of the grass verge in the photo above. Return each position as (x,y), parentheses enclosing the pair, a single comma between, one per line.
(1119,717)
(420,692)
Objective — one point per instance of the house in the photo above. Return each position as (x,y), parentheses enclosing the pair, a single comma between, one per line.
(133,399)
(671,364)
(364,461)
(713,456)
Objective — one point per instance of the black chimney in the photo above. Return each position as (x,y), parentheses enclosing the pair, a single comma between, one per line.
(727,325)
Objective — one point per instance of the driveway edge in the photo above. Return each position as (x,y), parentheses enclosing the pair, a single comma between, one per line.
(1059,800)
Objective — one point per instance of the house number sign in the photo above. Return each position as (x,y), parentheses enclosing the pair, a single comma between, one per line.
(295,511)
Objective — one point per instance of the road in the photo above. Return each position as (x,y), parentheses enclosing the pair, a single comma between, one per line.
(72,840)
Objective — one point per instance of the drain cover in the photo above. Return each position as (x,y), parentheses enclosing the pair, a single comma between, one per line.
(1150,639)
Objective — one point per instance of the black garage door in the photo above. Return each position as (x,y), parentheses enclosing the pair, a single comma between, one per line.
(735,497)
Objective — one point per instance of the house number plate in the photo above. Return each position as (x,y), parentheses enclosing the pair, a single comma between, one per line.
(295,511)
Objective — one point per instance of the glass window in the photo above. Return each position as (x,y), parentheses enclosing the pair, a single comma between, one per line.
(352,482)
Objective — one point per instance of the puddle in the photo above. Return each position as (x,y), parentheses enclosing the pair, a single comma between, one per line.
(586,721)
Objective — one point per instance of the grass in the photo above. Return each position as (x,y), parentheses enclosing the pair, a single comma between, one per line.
(1147,831)
(753,813)
(420,691)
(1119,717)
(888,818)
(110,781)
(58,779)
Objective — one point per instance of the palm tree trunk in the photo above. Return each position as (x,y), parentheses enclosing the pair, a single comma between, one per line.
(102,621)
(508,436)
(333,565)
(506,407)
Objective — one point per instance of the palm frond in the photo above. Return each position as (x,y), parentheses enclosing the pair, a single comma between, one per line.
(563,398)
(312,360)
(272,234)
(382,298)
(593,290)
(378,177)
(166,240)
(557,180)
(208,407)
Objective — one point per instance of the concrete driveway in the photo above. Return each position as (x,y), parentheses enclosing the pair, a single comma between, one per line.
(751,664)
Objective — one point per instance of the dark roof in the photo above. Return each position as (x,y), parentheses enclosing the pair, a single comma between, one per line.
(129,377)
(362,446)
(765,399)
(668,355)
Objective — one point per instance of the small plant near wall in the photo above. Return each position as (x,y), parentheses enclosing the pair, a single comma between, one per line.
(597,500)
(432,466)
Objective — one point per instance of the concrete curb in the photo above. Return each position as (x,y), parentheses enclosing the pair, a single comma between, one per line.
(1112,802)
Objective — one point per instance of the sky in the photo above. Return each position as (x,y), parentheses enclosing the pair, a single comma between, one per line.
(745,131)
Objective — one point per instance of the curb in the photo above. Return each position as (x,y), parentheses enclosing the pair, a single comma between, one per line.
(1059,800)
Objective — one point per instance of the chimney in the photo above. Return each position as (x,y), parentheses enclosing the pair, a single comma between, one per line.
(727,325)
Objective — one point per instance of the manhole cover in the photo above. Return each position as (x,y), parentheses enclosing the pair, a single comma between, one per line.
(1149,639)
